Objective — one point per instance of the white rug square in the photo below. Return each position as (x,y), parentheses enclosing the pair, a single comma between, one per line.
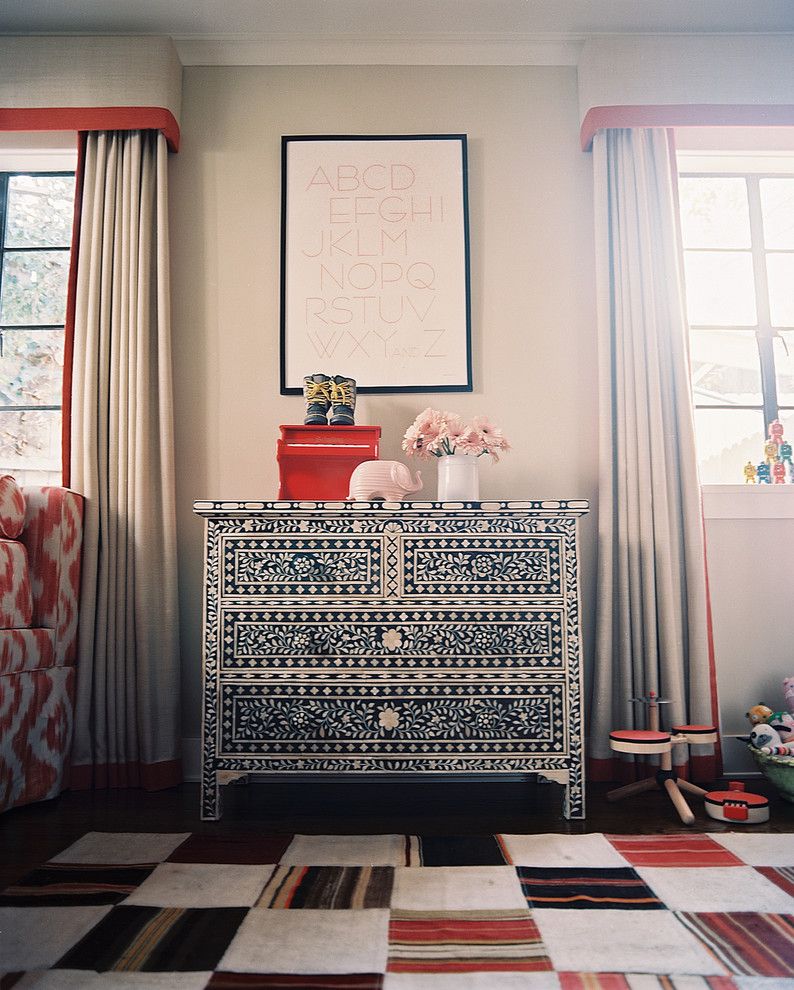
(201,885)
(80,979)
(622,941)
(345,850)
(737,888)
(473,981)
(758,848)
(310,942)
(581,851)
(122,848)
(457,888)
(37,937)
(763,982)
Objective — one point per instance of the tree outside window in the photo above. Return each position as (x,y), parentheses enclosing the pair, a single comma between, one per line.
(36,211)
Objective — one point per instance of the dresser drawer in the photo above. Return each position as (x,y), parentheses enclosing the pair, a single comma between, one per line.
(349,638)
(348,717)
(490,565)
(301,565)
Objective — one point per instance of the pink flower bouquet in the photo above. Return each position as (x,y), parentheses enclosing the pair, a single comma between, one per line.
(439,434)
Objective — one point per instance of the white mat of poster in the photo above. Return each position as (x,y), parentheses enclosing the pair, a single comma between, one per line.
(374,262)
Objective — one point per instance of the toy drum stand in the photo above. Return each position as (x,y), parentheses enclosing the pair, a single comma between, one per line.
(652,740)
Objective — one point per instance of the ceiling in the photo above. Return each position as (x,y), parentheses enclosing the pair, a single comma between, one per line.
(374,19)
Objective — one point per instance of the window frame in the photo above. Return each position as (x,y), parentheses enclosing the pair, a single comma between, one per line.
(763,330)
(6,174)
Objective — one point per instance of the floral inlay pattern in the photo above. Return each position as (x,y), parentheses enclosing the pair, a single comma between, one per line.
(392,640)
(407,639)
(285,721)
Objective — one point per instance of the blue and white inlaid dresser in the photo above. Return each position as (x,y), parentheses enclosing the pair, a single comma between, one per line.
(388,637)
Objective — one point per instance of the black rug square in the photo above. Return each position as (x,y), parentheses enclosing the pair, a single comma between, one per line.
(460,850)
(152,939)
(587,888)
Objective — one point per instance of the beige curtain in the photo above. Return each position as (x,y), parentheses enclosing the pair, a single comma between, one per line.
(652,612)
(127,713)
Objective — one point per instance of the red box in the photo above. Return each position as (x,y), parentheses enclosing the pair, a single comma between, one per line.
(315,462)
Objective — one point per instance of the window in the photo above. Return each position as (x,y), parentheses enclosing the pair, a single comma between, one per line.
(737,220)
(36,210)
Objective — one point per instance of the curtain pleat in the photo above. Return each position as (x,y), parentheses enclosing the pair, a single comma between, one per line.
(127,718)
(651,623)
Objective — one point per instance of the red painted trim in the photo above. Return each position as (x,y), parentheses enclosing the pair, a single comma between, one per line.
(149,776)
(684,115)
(92,119)
(71,305)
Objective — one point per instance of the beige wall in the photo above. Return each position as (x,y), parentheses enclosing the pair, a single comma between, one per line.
(532,281)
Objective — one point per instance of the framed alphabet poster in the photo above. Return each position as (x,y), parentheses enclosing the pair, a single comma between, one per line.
(375,262)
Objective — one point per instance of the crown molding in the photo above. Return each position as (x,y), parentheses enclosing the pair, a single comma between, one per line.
(427,49)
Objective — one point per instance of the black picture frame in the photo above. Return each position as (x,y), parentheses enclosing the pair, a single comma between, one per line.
(461,362)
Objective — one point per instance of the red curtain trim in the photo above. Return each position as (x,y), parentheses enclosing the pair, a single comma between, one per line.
(71,304)
(615,770)
(92,119)
(149,776)
(684,115)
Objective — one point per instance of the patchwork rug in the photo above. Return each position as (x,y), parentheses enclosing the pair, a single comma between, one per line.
(394,912)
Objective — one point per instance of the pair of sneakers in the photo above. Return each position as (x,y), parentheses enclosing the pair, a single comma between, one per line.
(323,393)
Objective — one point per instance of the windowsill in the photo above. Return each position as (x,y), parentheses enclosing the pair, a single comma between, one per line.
(748,501)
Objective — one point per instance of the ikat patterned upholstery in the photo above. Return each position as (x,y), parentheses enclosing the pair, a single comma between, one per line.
(12,508)
(38,649)
(16,600)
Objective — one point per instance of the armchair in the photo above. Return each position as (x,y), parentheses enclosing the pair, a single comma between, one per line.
(39,594)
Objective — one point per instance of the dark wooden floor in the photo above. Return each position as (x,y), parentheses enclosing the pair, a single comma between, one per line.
(31,835)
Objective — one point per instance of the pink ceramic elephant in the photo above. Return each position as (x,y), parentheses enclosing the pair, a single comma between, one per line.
(390,480)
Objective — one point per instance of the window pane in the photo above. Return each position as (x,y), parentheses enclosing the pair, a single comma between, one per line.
(777,207)
(719,288)
(34,284)
(726,440)
(714,212)
(780,273)
(31,368)
(784,366)
(726,368)
(30,441)
(39,211)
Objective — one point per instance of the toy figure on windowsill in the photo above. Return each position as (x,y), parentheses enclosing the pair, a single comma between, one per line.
(749,473)
(763,474)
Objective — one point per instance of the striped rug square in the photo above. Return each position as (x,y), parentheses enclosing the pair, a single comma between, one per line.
(328,887)
(152,939)
(590,889)
(303,981)
(465,941)
(748,944)
(69,884)
(673,850)
(643,981)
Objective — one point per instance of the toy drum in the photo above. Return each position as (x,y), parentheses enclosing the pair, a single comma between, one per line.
(640,741)
(696,735)
(737,805)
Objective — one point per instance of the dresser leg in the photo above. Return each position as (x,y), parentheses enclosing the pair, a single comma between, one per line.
(210,796)
(573,805)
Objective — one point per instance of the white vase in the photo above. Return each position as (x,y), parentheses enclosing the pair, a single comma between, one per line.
(458,478)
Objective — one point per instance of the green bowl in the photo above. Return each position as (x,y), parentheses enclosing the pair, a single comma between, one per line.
(777,769)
